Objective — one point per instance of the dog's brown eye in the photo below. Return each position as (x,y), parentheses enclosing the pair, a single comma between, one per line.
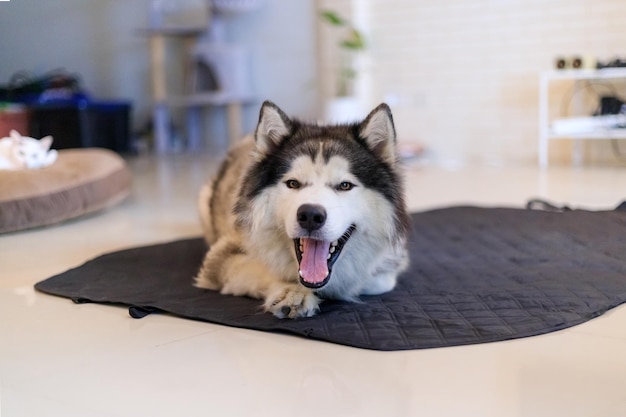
(345,186)
(293,184)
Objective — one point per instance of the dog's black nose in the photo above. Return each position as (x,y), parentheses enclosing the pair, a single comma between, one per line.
(311,216)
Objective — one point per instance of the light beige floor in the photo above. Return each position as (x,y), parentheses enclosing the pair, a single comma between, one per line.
(61,359)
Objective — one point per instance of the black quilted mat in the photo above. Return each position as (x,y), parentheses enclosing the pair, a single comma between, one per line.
(477,275)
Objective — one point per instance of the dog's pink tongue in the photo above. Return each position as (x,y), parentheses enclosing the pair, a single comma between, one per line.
(314,266)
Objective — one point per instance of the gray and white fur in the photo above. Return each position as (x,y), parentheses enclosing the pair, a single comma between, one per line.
(301,212)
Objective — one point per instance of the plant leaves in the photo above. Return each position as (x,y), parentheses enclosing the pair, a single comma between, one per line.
(354,41)
(333,18)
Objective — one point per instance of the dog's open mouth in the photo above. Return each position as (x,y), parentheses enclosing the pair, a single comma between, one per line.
(317,257)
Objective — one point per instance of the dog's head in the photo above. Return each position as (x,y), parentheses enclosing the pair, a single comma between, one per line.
(320,186)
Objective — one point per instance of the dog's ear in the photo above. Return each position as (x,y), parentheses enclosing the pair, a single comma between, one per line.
(379,133)
(273,126)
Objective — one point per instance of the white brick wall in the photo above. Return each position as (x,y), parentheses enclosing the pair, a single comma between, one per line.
(462,75)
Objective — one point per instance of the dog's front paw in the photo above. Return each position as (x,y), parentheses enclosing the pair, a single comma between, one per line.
(291,301)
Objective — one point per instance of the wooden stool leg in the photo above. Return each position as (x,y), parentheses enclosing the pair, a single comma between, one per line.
(234,122)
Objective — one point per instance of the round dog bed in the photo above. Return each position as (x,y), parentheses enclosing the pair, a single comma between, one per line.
(81,181)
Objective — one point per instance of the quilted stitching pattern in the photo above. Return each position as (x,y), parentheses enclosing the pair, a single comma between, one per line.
(477,275)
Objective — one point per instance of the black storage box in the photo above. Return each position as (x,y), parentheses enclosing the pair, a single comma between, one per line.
(84,124)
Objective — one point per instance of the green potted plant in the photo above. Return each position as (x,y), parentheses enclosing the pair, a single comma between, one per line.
(349,44)
(344,106)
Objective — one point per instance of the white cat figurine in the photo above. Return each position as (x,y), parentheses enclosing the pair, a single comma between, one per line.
(23,152)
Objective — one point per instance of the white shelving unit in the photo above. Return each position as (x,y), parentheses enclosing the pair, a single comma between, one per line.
(546,134)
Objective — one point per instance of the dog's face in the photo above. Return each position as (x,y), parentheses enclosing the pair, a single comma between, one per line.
(321,186)
(322,202)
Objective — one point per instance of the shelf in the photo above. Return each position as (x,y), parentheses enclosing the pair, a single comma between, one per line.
(172,31)
(597,134)
(601,74)
(205,99)
(546,131)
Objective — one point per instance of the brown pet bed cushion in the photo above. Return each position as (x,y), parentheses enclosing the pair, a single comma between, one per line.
(81,181)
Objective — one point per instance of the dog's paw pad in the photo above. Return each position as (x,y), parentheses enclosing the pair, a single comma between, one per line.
(292,301)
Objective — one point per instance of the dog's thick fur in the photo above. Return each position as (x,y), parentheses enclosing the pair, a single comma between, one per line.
(295,194)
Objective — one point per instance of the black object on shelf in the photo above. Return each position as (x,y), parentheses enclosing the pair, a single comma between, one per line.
(102,124)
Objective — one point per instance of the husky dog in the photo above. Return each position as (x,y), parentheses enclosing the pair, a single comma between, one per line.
(302,212)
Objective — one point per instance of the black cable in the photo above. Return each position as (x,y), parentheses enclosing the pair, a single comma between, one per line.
(588,85)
